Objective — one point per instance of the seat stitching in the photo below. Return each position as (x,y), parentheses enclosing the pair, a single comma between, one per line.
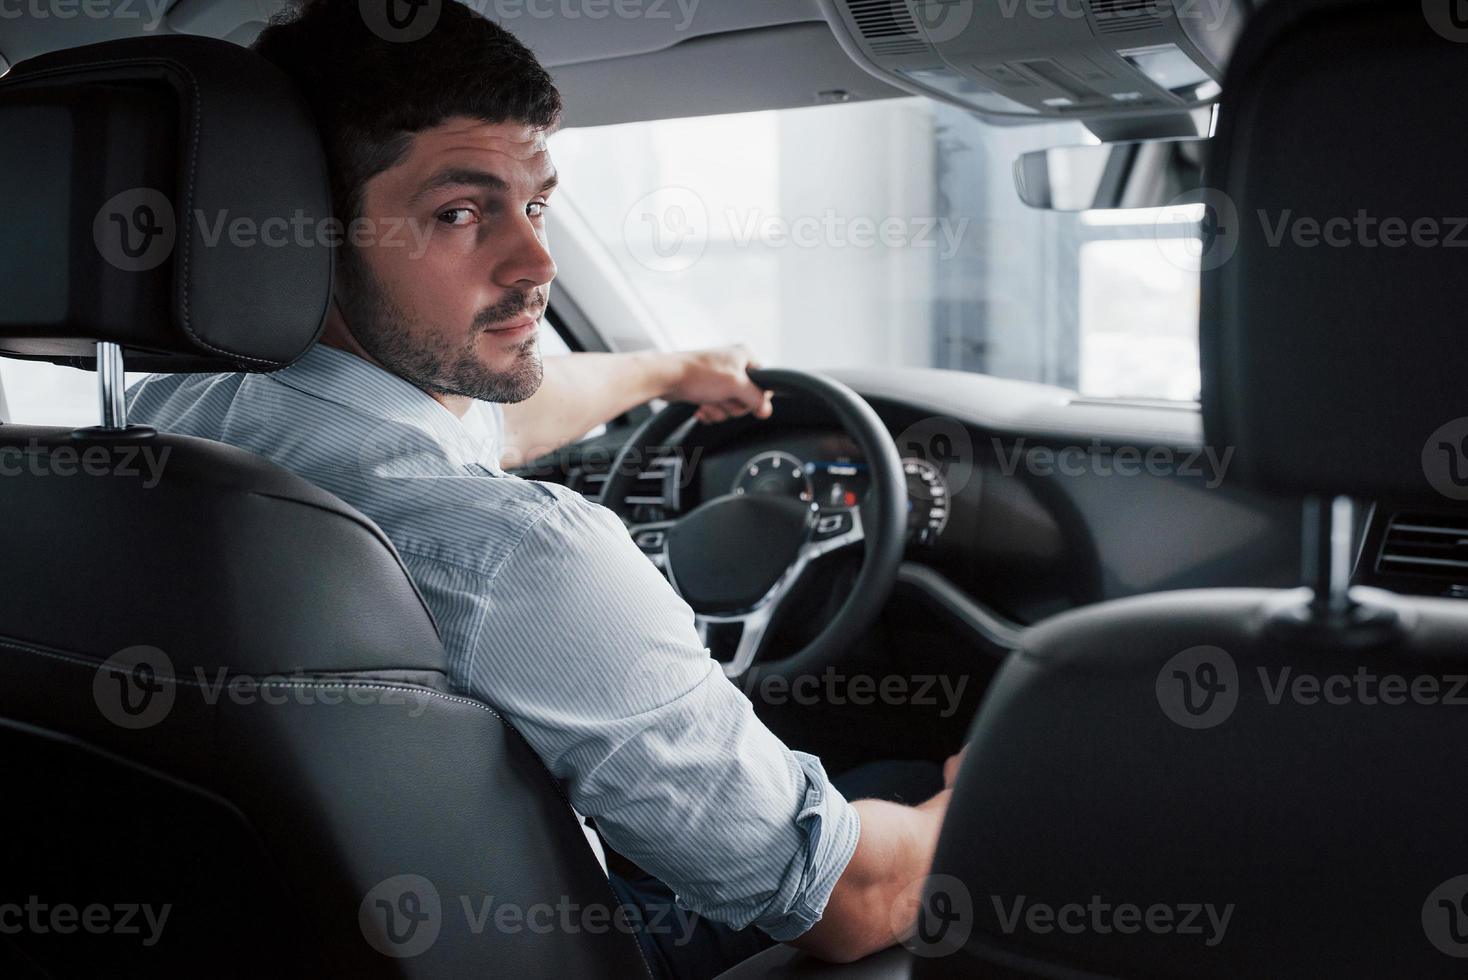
(79,661)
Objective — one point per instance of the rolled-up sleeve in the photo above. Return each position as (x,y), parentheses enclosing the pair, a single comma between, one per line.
(596,660)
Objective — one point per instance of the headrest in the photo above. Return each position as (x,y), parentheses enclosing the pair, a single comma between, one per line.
(166,193)
(1334,336)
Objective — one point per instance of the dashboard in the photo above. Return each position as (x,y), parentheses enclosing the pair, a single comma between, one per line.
(994,518)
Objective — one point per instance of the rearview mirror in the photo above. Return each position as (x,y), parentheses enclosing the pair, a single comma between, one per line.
(1138,174)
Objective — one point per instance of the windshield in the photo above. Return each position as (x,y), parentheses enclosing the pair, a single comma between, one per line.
(880,234)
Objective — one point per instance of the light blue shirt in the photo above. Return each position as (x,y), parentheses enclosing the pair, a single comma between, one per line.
(552,615)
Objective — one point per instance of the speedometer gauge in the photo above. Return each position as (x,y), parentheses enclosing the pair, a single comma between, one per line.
(927,500)
(776,473)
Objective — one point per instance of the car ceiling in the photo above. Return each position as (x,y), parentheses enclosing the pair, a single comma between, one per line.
(678,58)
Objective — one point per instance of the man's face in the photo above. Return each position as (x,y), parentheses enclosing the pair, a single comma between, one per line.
(450,300)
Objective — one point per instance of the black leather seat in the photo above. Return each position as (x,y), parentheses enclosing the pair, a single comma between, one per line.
(335,810)
(1144,751)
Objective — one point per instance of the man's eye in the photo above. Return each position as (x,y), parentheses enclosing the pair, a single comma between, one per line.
(456,216)
(536,208)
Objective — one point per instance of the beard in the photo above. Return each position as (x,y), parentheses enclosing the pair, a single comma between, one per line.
(421,357)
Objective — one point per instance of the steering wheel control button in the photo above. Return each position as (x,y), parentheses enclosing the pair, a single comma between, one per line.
(651,541)
(832,525)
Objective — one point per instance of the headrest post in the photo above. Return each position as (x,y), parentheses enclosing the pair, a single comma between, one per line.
(111,390)
(1327,558)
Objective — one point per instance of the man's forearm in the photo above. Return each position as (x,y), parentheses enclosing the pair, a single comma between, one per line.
(580,392)
(895,850)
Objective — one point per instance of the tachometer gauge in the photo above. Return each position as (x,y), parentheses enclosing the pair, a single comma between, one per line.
(927,501)
(776,473)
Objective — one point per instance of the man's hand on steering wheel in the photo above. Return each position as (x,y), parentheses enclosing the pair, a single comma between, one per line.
(718,382)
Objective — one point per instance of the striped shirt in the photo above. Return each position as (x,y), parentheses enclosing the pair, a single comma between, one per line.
(552,615)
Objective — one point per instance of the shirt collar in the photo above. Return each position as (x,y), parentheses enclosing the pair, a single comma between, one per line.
(346,379)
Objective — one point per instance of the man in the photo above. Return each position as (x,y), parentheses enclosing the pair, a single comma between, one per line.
(428,379)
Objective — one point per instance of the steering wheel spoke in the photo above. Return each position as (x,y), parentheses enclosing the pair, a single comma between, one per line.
(842,530)
(752,627)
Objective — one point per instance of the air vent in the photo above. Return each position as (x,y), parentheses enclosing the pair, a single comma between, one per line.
(1124,16)
(1427,545)
(656,486)
(877,19)
(898,47)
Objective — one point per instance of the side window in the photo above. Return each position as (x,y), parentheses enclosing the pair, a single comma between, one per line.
(39,393)
(551,343)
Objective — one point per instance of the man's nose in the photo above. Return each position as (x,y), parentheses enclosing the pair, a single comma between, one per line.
(525,261)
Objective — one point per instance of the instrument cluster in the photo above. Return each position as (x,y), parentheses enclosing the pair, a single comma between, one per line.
(840,481)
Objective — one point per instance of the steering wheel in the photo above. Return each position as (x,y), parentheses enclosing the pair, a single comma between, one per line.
(735,559)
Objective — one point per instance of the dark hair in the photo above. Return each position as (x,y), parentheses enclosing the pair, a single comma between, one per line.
(371,90)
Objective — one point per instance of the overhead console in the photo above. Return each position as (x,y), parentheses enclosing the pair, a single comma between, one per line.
(1018,60)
